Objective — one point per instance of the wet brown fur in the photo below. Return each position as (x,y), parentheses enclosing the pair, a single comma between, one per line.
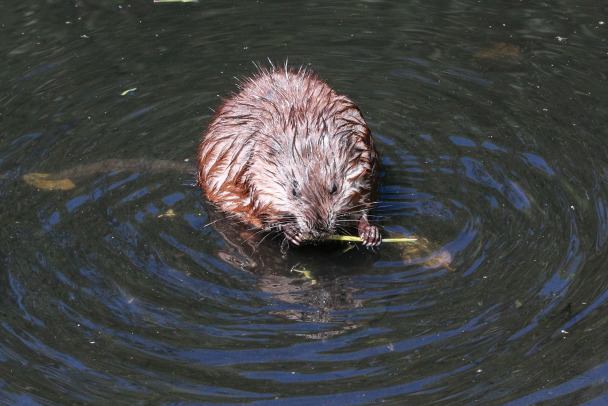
(288,152)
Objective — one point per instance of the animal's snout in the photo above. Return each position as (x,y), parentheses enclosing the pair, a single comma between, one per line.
(320,229)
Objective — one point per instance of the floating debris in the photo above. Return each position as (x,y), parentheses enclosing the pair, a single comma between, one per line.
(500,56)
(42,181)
(128,91)
(306,274)
(169,213)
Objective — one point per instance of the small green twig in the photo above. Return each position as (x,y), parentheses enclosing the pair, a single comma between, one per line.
(128,91)
(359,239)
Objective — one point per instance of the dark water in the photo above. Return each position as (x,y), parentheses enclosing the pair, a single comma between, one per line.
(489,117)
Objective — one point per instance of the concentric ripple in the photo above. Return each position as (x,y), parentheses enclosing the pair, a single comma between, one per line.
(119,285)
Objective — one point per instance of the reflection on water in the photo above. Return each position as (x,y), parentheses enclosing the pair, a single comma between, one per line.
(489,122)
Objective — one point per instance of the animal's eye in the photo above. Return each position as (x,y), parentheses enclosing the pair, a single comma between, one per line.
(334,189)
(355,152)
(295,189)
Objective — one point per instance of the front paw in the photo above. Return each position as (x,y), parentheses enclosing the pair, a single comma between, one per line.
(293,234)
(370,235)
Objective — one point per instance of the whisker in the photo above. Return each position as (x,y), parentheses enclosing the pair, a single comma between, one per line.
(231,217)
(262,240)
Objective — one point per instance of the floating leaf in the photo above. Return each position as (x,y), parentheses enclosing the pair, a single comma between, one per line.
(169,213)
(41,181)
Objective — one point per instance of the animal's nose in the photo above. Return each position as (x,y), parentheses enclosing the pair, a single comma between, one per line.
(320,229)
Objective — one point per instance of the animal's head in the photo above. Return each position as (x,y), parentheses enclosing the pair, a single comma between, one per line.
(318,174)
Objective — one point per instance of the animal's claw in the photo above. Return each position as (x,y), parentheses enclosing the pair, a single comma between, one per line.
(293,235)
(369,234)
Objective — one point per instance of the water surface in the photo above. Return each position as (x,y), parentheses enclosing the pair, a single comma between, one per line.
(489,121)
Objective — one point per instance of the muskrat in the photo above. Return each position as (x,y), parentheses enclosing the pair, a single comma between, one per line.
(288,153)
